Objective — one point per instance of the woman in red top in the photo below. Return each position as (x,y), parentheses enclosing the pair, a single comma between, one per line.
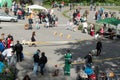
(101,30)
(78,16)
(92,31)
(19,12)
(8,42)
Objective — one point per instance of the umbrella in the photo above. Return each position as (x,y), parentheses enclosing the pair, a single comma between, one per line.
(113,21)
(36,7)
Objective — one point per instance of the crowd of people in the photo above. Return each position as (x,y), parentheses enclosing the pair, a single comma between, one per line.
(12,54)
(8,49)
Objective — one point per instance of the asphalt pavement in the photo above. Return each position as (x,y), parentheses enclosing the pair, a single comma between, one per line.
(79,44)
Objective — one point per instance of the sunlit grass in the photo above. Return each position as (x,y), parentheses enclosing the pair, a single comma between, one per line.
(113,8)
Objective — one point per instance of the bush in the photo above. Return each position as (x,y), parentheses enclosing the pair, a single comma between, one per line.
(9,73)
(80,27)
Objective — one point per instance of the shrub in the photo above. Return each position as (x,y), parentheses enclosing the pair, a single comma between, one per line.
(80,27)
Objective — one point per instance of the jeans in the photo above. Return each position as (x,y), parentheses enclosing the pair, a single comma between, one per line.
(9,60)
(37,26)
(19,58)
(35,68)
(41,69)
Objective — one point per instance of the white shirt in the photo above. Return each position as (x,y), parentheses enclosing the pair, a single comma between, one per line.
(85,24)
(7,52)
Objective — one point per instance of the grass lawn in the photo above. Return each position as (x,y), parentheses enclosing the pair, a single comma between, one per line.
(112,7)
(64,13)
(47,6)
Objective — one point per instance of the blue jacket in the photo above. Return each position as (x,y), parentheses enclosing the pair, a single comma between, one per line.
(2,66)
(2,47)
(88,70)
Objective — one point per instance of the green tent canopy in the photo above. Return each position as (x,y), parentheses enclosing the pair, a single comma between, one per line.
(113,21)
(9,3)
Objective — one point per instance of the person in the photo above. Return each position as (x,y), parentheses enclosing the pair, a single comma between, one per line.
(33,38)
(37,24)
(9,40)
(69,25)
(68,57)
(40,17)
(1,57)
(56,71)
(88,70)
(19,13)
(2,47)
(36,61)
(88,58)
(18,49)
(7,53)
(60,7)
(99,47)
(47,22)
(85,25)
(102,31)
(110,31)
(3,36)
(92,29)
(2,67)
(30,20)
(70,6)
(42,61)
(23,14)
(6,10)
(26,77)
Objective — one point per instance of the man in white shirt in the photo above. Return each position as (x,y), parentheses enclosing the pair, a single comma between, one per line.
(7,53)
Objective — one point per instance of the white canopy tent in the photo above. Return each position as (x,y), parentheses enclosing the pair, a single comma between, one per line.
(37,7)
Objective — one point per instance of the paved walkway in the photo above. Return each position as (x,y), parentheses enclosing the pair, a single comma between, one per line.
(26,66)
(52,50)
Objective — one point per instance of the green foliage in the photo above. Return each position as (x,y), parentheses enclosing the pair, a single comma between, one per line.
(9,73)
(80,27)
(64,13)
(85,2)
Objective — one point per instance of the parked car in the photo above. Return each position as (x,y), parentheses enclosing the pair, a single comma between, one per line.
(6,17)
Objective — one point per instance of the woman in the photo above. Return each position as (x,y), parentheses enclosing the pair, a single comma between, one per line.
(92,29)
(101,31)
(26,77)
(33,38)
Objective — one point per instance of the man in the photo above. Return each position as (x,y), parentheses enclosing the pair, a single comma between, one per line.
(7,53)
(40,17)
(42,62)
(88,58)
(18,49)
(36,61)
(99,47)
(68,57)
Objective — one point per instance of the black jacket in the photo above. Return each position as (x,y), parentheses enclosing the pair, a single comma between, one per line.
(43,60)
(18,47)
(88,58)
(99,45)
(36,58)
